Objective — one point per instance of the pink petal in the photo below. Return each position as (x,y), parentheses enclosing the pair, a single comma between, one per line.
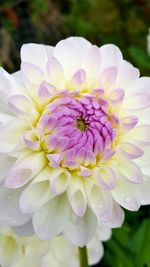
(130,151)
(108,76)
(55,160)
(106,178)
(128,123)
(46,90)
(117,96)
(131,171)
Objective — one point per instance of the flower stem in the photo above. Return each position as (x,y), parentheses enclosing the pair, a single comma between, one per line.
(83,257)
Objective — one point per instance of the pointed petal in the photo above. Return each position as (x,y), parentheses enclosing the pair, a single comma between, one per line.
(51,218)
(81,230)
(36,53)
(100,200)
(130,171)
(59,180)
(117,216)
(126,194)
(91,63)
(144,189)
(6,163)
(127,75)
(110,56)
(34,196)
(24,171)
(71,50)
(95,251)
(55,71)
(9,208)
(76,196)
(108,76)
(33,73)
(10,134)
(130,151)
(106,178)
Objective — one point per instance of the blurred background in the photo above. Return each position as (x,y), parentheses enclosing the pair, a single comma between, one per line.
(122,22)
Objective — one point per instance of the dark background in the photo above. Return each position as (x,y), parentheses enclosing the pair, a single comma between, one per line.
(122,22)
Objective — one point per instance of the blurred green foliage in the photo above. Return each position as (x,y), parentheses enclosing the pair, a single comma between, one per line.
(129,245)
(122,22)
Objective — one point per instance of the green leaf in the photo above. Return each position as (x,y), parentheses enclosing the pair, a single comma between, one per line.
(140,57)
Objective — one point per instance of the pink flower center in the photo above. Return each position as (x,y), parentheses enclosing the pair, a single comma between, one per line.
(78,130)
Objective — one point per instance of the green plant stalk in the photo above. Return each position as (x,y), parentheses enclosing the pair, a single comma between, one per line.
(83,257)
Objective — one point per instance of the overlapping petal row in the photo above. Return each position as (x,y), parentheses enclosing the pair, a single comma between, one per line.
(21,251)
(74,139)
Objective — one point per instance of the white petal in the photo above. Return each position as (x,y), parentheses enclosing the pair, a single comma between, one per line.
(10,134)
(34,196)
(127,75)
(91,63)
(142,85)
(76,196)
(6,163)
(24,230)
(36,54)
(55,71)
(81,230)
(5,85)
(141,134)
(10,214)
(69,53)
(59,180)
(137,101)
(95,251)
(100,200)
(51,218)
(108,76)
(20,105)
(10,84)
(9,250)
(127,194)
(106,177)
(33,73)
(110,56)
(130,151)
(103,232)
(78,80)
(62,249)
(25,170)
(144,189)
(130,171)
(117,216)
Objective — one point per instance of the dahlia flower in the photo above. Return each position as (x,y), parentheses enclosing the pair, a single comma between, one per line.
(23,251)
(74,140)
(62,253)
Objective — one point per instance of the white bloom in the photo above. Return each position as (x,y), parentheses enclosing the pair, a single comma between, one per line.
(23,251)
(17,251)
(74,140)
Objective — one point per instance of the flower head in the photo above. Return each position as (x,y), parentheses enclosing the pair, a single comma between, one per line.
(22,251)
(62,253)
(74,139)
